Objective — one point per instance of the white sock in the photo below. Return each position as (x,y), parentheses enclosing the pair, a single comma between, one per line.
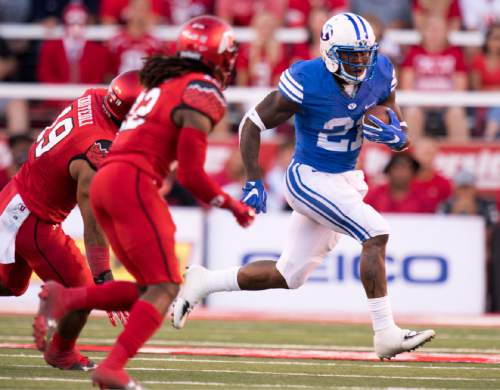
(223,280)
(381,313)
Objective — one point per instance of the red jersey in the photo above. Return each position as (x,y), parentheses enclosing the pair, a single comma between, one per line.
(128,53)
(148,138)
(81,131)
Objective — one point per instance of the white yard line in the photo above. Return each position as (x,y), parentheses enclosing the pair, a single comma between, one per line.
(293,374)
(196,383)
(174,359)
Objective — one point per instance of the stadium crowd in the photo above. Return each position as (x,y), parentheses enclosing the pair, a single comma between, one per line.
(409,183)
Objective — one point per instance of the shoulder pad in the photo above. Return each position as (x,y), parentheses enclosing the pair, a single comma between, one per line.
(291,84)
(205,97)
(387,71)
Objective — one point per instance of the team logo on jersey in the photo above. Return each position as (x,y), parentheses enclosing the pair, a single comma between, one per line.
(326,32)
(98,152)
(352,106)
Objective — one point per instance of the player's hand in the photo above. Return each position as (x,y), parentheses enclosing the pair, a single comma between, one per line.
(114,316)
(390,134)
(255,195)
(243,213)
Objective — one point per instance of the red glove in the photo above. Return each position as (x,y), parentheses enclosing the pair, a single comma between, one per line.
(244,214)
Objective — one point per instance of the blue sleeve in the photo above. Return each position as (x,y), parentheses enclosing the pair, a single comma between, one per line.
(291,84)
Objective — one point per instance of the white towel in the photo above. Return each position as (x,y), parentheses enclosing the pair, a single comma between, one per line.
(11,219)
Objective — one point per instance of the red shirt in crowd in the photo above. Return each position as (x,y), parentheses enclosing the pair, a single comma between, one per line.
(54,65)
(241,12)
(127,53)
(298,11)
(434,190)
(434,71)
(490,78)
(115,9)
(452,12)
(381,199)
(264,73)
(180,11)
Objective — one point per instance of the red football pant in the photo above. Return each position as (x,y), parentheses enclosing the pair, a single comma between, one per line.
(137,222)
(44,248)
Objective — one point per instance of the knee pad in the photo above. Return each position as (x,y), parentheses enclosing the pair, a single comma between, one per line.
(296,271)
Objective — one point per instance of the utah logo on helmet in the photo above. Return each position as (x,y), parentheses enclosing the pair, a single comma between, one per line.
(348,47)
(211,41)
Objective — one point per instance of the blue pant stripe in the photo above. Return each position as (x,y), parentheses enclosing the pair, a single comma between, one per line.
(319,208)
(355,225)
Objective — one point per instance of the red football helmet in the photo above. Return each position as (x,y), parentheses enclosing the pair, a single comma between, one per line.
(122,92)
(210,40)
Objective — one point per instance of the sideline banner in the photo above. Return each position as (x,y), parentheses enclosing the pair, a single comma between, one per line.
(435,264)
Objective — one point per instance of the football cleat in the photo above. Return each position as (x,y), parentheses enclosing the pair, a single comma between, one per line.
(70,360)
(192,292)
(107,378)
(50,311)
(392,341)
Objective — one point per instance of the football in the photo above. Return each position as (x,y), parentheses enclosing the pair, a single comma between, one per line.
(378,111)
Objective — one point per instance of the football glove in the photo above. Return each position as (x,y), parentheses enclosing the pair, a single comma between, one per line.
(244,214)
(255,196)
(114,316)
(390,134)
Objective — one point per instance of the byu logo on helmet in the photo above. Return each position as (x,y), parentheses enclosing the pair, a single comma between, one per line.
(326,32)
(350,53)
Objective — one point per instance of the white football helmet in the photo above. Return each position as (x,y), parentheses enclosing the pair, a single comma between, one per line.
(348,41)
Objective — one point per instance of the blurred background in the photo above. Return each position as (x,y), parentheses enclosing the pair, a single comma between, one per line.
(447,56)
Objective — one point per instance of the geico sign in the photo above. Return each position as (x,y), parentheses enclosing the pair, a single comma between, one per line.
(413,268)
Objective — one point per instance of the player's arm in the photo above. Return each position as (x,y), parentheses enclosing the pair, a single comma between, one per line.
(191,154)
(391,103)
(272,111)
(95,241)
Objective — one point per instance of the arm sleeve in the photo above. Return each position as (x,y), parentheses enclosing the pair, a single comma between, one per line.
(206,98)
(191,153)
(291,84)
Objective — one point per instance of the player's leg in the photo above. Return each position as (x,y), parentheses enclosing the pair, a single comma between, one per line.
(142,235)
(307,244)
(54,256)
(147,236)
(336,200)
(15,277)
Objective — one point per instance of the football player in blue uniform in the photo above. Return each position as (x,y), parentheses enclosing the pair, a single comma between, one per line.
(329,97)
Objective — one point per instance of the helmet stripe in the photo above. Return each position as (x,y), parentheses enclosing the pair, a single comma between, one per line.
(354,24)
(363,24)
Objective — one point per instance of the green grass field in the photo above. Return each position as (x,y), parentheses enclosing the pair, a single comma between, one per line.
(25,368)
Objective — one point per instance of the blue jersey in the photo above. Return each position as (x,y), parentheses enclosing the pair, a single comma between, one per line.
(327,126)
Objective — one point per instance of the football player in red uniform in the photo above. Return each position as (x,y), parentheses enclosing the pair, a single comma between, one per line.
(56,177)
(170,120)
